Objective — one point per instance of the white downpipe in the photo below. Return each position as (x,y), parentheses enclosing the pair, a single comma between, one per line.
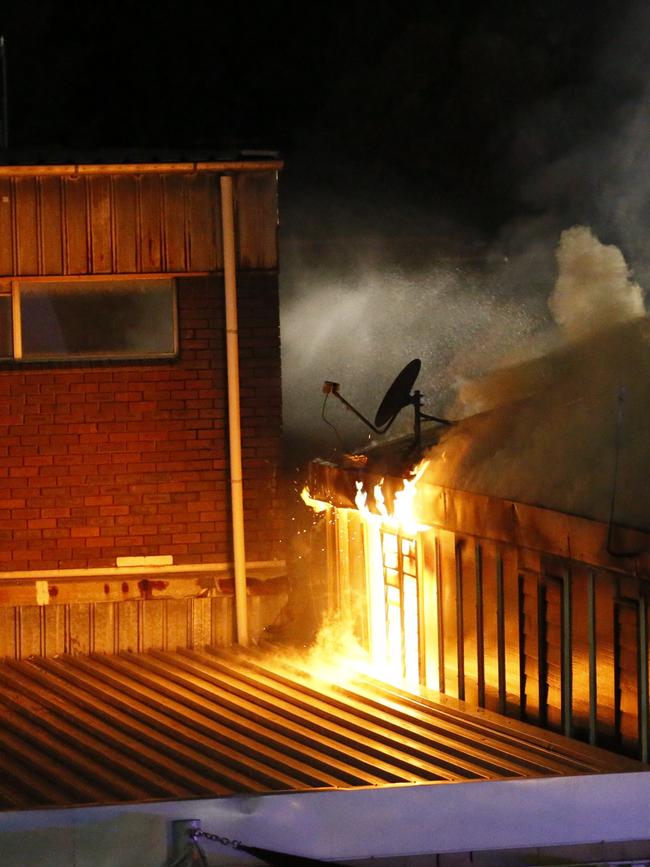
(234,422)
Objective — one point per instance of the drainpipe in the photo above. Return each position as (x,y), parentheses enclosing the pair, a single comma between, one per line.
(234,423)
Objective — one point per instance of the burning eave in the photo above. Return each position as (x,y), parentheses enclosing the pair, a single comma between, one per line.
(530,528)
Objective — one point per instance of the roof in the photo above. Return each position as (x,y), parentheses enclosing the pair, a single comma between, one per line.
(162,725)
(53,161)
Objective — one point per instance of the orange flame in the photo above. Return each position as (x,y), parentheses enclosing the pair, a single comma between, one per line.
(392,608)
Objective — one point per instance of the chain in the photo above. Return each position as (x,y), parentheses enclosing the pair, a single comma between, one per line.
(225,841)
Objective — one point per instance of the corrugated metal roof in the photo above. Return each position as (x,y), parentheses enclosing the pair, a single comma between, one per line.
(159,725)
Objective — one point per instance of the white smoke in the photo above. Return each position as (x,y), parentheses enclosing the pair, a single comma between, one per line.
(549,427)
(593,290)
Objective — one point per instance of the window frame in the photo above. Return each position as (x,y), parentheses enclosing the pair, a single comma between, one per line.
(11,287)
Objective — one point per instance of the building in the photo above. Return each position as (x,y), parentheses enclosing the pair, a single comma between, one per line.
(115,460)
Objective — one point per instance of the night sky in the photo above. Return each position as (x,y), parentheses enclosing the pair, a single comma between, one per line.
(457,105)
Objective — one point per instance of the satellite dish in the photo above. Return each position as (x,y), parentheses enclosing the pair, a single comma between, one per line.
(396,398)
(399,394)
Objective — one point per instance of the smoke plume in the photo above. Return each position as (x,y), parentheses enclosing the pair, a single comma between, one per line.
(548,430)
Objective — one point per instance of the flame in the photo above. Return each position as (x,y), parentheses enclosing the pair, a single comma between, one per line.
(392,604)
(308,500)
(404,516)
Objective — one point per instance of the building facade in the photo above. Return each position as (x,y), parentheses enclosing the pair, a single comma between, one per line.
(115,457)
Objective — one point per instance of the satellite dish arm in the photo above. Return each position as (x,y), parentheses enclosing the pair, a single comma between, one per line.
(333,388)
(427,417)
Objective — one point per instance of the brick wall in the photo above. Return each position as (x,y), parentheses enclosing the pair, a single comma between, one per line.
(102,461)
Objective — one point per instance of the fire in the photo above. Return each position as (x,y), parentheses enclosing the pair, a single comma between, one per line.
(392,585)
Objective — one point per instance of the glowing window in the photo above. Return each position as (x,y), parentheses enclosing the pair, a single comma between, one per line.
(400,567)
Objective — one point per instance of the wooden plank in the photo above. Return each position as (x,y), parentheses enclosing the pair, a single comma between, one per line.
(449,607)
(176,615)
(511,612)
(29,631)
(150,225)
(429,627)
(200,622)
(8,633)
(77,260)
(6,227)
(202,223)
(53,625)
(79,626)
(127,625)
(530,631)
(152,625)
(222,627)
(467,559)
(173,225)
(100,225)
(627,683)
(27,225)
(257,220)
(604,606)
(580,669)
(490,630)
(103,619)
(125,224)
(51,228)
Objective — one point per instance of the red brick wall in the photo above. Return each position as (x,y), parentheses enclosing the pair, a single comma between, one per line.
(102,461)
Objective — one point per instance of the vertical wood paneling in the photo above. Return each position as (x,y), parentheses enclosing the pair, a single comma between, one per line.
(467,552)
(125,224)
(99,198)
(530,655)
(152,628)
(127,625)
(257,210)
(551,608)
(205,240)
(176,634)
(27,225)
(626,632)
(580,658)
(76,226)
(200,622)
(80,625)
(8,634)
(30,638)
(511,631)
(111,627)
(150,223)
(449,603)
(53,617)
(174,206)
(358,591)
(6,227)
(130,224)
(222,612)
(51,228)
(431,636)
(604,605)
(490,625)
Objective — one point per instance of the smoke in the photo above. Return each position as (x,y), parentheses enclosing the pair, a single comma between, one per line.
(359,319)
(593,289)
(548,429)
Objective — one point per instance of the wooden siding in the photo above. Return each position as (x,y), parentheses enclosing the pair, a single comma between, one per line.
(59,225)
(535,618)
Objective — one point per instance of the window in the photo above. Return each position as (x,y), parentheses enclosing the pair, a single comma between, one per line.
(400,568)
(88,318)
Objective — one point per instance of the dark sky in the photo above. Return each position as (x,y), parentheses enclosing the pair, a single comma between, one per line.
(432,98)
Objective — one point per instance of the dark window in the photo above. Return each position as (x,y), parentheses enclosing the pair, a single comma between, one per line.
(133,318)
